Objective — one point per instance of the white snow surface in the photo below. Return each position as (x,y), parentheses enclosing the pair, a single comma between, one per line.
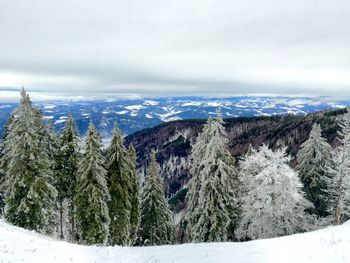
(327,245)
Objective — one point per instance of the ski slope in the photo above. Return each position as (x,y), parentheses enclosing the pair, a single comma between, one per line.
(327,245)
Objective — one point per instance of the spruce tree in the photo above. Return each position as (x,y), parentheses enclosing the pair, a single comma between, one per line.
(119,184)
(30,194)
(134,194)
(339,175)
(92,195)
(272,202)
(68,160)
(157,226)
(4,160)
(313,159)
(212,212)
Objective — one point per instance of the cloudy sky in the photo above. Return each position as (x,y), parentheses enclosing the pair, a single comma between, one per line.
(178,47)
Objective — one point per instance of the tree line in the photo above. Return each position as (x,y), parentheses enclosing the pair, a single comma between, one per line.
(50,185)
(91,196)
(262,196)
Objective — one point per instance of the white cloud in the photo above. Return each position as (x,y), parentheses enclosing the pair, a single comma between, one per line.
(176,47)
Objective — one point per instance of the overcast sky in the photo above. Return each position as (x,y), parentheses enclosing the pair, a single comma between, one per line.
(179,47)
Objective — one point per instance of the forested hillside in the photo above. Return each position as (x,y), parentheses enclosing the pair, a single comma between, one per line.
(173,140)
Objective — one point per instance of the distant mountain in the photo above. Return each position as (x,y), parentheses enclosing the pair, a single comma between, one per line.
(172,141)
(135,115)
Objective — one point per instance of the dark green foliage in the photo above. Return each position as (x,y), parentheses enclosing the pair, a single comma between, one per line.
(66,177)
(30,194)
(119,184)
(313,159)
(4,161)
(178,199)
(157,227)
(92,195)
(134,194)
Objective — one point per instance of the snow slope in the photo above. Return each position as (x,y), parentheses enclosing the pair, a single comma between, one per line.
(328,245)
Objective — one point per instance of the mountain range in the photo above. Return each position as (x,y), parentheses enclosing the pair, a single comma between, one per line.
(138,114)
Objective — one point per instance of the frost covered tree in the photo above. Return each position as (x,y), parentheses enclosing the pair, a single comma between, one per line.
(119,184)
(4,160)
(212,210)
(313,159)
(134,194)
(68,160)
(91,210)
(272,202)
(157,226)
(28,183)
(339,175)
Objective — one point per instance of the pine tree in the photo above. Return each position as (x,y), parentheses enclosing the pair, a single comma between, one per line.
(30,194)
(92,193)
(313,159)
(68,160)
(119,185)
(339,175)
(272,202)
(157,226)
(51,144)
(4,147)
(212,210)
(134,194)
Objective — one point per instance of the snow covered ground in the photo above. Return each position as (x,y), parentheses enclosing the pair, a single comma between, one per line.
(327,245)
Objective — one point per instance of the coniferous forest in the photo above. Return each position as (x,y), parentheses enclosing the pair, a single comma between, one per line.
(70,187)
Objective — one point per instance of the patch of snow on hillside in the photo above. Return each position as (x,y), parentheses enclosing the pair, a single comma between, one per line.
(150,102)
(49,107)
(191,103)
(60,121)
(169,115)
(5,106)
(326,245)
(134,107)
(149,116)
(122,112)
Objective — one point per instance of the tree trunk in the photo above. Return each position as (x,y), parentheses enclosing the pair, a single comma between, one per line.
(72,223)
(61,221)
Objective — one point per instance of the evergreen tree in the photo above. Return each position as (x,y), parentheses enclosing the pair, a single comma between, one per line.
(68,160)
(119,185)
(157,226)
(4,160)
(313,159)
(272,202)
(30,194)
(134,194)
(92,193)
(51,144)
(339,175)
(212,210)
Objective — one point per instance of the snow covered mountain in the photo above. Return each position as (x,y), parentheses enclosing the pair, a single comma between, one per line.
(134,115)
(326,245)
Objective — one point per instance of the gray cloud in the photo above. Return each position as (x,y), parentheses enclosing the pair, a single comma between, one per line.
(160,48)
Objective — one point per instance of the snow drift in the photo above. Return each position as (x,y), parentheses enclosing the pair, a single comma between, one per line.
(327,245)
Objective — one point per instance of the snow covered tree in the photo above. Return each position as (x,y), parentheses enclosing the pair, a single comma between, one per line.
(134,194)
(272,202)
(91,210)
(119,184)
(68,160)
(157,226)
(212,210)
(4,147)
(30,194)
(339,175)
(313,159)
